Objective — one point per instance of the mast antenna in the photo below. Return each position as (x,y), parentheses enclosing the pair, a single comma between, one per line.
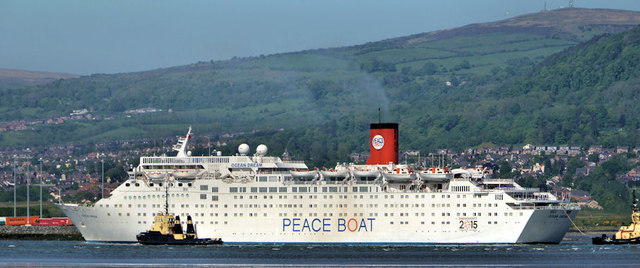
(166,198)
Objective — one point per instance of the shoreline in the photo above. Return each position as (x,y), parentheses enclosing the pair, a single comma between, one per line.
(22,232)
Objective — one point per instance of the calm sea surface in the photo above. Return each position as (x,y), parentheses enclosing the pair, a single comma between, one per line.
(576,250)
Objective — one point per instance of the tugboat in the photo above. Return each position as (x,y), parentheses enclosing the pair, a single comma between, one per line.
(627,234)
(168,231)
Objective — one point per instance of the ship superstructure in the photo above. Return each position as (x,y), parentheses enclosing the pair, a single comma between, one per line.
(263,199)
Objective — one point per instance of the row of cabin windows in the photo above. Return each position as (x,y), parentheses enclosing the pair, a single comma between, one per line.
(316,214)
(331,189)
(268,178)
(150,196)
(324,189)
(461,188)
(180,184)
(172,167)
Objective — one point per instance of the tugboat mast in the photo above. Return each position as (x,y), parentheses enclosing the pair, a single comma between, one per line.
(166,198)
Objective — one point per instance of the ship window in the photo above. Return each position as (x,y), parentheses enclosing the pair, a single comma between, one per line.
(203,196)
(324,189)
(273,189)
(333,189)
(263,189)
(303,189)
(233,189)
(294,189)
(355,189)
(273,178)
(204,187)
(262,178)
(283,189)
(254,189)
(127,184)
(364,189)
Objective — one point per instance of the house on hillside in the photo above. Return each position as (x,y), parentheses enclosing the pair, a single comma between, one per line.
(594,149)
(583,171)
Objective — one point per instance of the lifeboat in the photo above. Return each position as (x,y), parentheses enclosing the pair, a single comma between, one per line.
(435,174)
(156,175)
(304,173)
(335,173)
(366,173)
(185,174)
(399,175)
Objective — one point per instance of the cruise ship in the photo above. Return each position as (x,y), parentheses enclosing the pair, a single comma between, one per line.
(255,198)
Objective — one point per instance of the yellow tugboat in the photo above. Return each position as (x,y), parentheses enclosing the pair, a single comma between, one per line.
(168,231)
(627,234)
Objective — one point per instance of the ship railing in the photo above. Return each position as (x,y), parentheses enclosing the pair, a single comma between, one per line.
(567,206)
(509,189)
(184,160)
(497,181)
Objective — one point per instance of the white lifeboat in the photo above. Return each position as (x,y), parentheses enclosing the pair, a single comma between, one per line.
(435,174)
(399,175)
(304,173)
(156,175)
(335,173)
(185,174)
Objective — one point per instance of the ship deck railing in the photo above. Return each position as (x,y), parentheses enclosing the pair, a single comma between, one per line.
(509,189)
(565,206)
(497,181)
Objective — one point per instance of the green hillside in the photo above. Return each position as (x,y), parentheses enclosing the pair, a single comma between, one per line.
(454,88)
(587,94)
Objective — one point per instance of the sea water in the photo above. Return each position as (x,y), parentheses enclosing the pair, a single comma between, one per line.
(576,250)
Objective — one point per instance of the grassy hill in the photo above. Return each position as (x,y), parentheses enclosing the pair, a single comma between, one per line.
(18,78)
(445,88)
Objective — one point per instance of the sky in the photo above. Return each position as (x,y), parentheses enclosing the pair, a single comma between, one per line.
(113,36)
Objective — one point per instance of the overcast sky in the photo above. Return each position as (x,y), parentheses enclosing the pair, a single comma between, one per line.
(112,36)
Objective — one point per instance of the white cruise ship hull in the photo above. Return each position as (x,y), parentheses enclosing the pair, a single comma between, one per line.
(261,199)
(344,217)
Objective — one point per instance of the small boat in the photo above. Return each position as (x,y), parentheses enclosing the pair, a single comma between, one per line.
(156,175)
(335,173)
(366,173)
(304,173)
(399,175)
(167,231)
(185,174)
(627,234)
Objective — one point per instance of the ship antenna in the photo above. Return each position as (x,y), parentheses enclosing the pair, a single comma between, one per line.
(635,201)
(166,198)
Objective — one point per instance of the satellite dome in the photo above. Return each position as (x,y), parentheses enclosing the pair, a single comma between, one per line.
(261,150)
(243,149)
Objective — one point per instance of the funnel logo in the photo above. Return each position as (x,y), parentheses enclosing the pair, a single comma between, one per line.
(377,142)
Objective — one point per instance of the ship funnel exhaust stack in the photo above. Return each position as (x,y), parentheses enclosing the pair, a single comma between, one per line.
(383,144)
